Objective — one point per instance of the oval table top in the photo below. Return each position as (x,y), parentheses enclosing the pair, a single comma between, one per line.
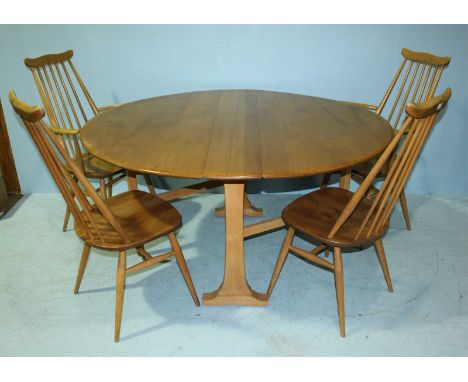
(236,134)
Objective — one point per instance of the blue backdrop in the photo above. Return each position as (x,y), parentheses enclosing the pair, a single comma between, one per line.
(348,62)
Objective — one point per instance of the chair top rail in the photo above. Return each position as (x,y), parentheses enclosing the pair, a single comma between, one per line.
(48,59)
(424,57)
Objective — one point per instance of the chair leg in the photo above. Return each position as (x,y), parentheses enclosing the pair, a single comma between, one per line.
(81,269)
(327,252)
(339,288)
(404,208)
(325,180)
(379,248)
(119,293)
(65,220)
(281,259)
(149,183)
(345,179)
(102,188)
(183,267)
(109,187)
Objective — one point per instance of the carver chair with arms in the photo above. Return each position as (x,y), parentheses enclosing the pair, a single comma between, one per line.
(69,105)
(117,223)
(416,80)
(340,219)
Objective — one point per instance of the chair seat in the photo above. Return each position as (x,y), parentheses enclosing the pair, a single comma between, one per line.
(97,168)
(143,217)
(315,214)
(363,169)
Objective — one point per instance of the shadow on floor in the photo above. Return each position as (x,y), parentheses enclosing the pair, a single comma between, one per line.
(303,292)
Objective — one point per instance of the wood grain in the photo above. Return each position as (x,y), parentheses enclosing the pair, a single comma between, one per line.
(7,162)
(338,218)
(236,134)
(69,105)
(10,191)
(233,136)
(115,223)
(416,80)
(425,57)
(234,290)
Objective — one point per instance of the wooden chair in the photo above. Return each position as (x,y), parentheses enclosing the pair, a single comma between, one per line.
(68,105)
(118,223)
(416,80)
(340,219)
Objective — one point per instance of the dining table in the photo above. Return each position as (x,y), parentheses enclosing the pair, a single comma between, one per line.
(228,137)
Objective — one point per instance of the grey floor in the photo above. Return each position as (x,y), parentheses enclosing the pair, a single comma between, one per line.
(426,315)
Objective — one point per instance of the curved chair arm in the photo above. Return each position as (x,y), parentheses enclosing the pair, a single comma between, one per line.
(362,105)
(56,130)
(72,136)
(107,107)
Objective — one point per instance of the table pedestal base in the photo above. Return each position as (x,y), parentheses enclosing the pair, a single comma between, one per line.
(249,209)
(219,298)
(234,289)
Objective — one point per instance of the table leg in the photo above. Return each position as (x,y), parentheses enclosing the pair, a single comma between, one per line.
(234,290)
(249,209)
(345,179)
(132,181)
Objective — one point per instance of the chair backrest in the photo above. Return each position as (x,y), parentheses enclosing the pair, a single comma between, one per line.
(71,181)
(403,152)
(67,102)
(415,81)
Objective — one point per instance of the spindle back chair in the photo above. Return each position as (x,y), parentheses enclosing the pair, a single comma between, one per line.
(73,185)
(69,106)
(62,91)
(338,218)
(415,81)
(128,220)
(421,118)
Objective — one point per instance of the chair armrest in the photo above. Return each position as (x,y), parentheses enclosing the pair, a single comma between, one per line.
(56,130)
(362,105)
(107,107)
(396,132)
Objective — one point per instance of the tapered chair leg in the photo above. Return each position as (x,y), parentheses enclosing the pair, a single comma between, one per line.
(339,288)
(379,248)
(183,267)
(81,269)
(66,219)
(149,183)
(102,188)
(404,208)
(109,187)
(119,293)
(281,259)
(325,180)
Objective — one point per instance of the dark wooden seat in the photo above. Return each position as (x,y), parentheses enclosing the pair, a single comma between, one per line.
(142,216)
(69,106)
(316,213)
(363,169)
(416,80)
(95,168)
(119,223)
(337,218)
